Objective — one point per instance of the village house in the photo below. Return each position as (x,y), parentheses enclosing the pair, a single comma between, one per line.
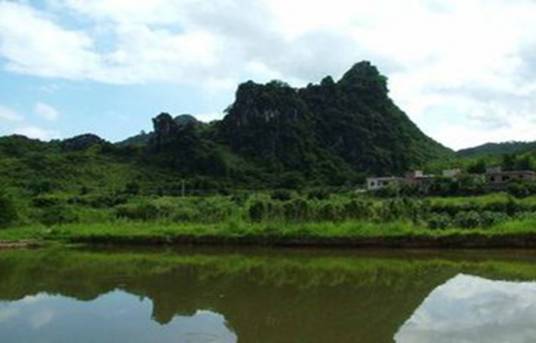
(418,179)
(375,183)
(496,177)
(415,178)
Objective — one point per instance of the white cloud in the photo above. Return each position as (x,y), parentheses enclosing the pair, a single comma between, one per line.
(37,133)
(7,313)
(33,44)
(472,309)
(46,111)
(474,56)
(8,114)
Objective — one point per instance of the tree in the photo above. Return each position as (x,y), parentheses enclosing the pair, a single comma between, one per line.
(8,211)
(477,168)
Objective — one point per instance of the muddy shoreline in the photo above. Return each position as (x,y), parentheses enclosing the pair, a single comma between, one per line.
(468,241)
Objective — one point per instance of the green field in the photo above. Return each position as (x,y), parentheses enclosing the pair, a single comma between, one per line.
(276,218)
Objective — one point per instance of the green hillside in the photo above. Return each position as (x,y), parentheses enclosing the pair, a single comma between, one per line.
(272,136)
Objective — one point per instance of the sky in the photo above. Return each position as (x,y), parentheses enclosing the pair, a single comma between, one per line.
(463,70)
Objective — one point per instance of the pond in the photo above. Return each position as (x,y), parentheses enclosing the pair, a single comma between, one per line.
(262,295)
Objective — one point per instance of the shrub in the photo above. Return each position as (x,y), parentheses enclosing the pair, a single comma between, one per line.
(40,187)
(319,194)
(281,195)
(438,221)
(8,211)
(106,200)
(145,212)
(44,201)
(357,209)
(84,190)
(467,219)
(297,209)
(488,218)
(132,188)
(57,214)
(391,209)
(185,214)
(240,198)
(328,211)
(257,211)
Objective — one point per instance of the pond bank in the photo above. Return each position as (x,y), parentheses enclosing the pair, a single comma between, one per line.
(19,244)
(352,234)
(475,241)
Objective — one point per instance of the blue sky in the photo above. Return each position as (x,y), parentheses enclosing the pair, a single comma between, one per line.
(111,111)
(463,70)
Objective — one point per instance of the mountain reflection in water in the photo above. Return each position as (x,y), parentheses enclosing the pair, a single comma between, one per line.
(113,317)
(73,295)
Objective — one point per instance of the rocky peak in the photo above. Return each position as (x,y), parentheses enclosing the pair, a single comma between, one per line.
(186,119)
(165,129)
(81,142)
(258,104)
(364,77)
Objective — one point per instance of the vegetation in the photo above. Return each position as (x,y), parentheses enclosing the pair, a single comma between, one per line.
(294,286)
(267,218)
(284,162)
(505,148)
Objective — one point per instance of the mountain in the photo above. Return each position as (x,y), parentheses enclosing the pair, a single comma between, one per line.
(351,124)
(273,135)
(491,149)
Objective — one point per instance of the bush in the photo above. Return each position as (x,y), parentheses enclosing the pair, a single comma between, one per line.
(57,214)
(438,221)
(240,198)
(488,218)
(145,212)
(185,214)
(328,211)
(357,209)
(40,187)
(281,195)
(469,219)
(105,200)
(44,201)
(297,209)
(319,194)
(8,211)
(257,211)
(132,188)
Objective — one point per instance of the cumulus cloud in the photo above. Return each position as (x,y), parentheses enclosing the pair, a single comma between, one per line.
(46,111)
(470,309)
(37,133)
(471,57)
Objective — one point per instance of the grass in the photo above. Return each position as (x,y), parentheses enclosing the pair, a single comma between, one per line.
(257,218)
(352,232)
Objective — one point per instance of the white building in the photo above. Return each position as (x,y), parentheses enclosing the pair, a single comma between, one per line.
(375,183)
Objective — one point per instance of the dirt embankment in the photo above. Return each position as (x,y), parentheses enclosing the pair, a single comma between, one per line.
(19,244)
(468,241)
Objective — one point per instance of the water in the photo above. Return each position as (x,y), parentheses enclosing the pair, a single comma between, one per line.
(60,295)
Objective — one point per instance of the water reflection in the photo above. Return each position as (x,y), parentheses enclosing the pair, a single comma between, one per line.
(58,295)
(114,317)
(473,309)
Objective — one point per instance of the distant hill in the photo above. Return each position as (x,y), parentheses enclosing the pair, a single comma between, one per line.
(273,135)
(491,149)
